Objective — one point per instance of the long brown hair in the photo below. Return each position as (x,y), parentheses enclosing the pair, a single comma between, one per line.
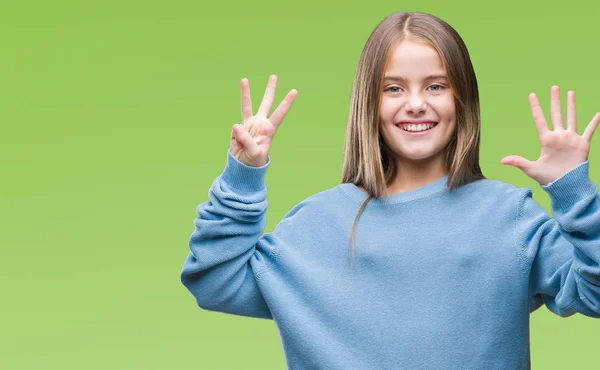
(367,159)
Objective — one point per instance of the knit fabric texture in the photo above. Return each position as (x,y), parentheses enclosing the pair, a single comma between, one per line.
(442,279)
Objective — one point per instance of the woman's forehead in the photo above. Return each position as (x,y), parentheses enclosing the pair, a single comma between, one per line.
(411,60)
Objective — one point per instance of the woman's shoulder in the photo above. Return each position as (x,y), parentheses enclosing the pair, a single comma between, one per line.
(495,184)
(319,202)
(497,190)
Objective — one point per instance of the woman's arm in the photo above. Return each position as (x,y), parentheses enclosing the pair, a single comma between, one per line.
(563,253)
(227,251)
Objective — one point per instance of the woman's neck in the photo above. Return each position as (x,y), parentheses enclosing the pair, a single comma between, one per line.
(415,174)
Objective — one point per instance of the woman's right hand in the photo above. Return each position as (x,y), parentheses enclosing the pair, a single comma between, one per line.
(251,140)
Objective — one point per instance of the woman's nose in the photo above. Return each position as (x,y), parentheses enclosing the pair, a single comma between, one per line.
(415,103)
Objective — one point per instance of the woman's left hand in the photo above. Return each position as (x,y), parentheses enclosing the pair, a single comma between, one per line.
(562,150)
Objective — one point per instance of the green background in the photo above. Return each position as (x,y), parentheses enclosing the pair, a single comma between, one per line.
(116,119)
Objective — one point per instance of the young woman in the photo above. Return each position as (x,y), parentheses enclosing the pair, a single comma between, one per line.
(445,265)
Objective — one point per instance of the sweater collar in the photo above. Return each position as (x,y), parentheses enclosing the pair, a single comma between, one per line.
(421,192)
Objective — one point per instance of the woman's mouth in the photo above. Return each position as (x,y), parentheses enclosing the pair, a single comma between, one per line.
(416,129)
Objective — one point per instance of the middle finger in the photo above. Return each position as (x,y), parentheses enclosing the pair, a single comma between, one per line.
(571,112)
(555,110)
(267,102)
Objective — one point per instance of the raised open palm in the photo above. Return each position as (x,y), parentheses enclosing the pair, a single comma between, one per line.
(562,148)
(251,140)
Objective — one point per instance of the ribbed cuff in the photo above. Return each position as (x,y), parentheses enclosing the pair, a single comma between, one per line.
(571,187)
(243,177)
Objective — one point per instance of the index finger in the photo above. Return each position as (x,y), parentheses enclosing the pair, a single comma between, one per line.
(283,108)
(538,114)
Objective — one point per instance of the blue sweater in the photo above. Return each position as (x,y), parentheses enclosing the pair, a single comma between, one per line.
(443,279)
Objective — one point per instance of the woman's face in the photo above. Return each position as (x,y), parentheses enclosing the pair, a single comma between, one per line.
(416,95)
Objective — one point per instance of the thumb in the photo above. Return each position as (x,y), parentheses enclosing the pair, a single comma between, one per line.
(516,161)
(243,136)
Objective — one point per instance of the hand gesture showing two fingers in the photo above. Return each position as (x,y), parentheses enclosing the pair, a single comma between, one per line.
(251,140)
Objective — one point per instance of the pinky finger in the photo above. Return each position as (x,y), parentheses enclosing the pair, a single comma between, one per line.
(591,127)
(233,140)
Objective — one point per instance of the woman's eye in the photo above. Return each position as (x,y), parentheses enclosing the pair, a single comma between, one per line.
(434,88)
(436,85)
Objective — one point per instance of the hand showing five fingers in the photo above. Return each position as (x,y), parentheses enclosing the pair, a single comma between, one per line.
(251,140)
(562,149)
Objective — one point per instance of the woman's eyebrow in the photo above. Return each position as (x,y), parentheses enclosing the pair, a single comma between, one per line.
(402,79)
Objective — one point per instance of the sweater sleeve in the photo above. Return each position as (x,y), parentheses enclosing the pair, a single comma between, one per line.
(227,247)
(563,252)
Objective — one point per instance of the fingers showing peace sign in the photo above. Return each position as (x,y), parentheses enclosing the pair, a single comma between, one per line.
(251,140)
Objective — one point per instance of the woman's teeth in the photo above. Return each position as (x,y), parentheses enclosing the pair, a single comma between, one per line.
(419,127)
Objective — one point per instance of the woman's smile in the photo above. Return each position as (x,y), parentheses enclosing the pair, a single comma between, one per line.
(417,129)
